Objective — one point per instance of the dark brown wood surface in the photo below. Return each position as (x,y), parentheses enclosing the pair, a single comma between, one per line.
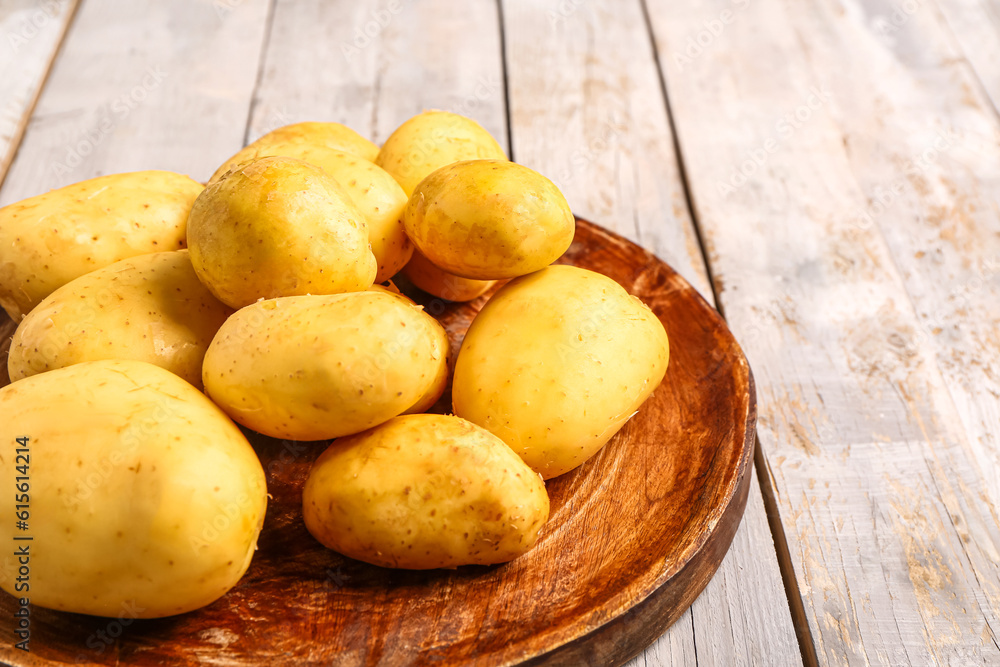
(634,536)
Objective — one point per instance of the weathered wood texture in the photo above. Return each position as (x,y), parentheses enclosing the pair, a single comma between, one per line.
(142,85)
(976,28)
(845,176)
(373,64)
(31,31)
(587,110)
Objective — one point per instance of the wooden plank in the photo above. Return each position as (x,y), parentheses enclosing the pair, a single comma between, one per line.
(373,64)
(32,31)
(846,186)
(976,27)
(587,110)
(143,85)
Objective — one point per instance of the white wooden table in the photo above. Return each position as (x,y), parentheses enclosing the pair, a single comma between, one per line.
(827,171)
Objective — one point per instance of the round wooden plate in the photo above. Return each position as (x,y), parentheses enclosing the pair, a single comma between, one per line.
(634,535)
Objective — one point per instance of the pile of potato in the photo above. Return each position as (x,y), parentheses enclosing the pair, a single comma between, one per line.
(154,312)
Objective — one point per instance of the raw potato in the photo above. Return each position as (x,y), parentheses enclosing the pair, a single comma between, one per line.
(315,367)
(489,219)
(149,308)
(145,499)
(438,282)
(422,492)
(328,135)
(431,140)
(556,363)
(278,227)
(50,239)
(372,190)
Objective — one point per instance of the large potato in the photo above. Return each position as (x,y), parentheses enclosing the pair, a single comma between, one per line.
(556,363)
(330,135)
(438,282)
(431,140)
(372,190)
(142,495)
(314,367)
(422,492)
(489,219)
(275,227)
(149,308)
(50,239)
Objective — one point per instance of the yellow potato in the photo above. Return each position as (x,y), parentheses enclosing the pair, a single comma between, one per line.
(50,239)
(422,492)
(149,308)
(372,190)
(556,363)
(314,367)
(489,219)
(438,282)
(143,497)
(278,227)
(331,135)
(431,140)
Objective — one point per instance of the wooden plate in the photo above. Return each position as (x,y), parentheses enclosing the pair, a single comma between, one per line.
(634,536)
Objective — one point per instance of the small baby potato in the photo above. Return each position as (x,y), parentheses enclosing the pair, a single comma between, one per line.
(489,220)
(316,367)
(50,239)
(149,308)
(372,190)
(438,282)
(431,140)
(424,491)
(275,227)
(329,135)
(144,495)
(556,363)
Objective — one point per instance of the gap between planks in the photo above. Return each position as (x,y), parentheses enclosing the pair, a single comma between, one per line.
(800,621)
(15,140)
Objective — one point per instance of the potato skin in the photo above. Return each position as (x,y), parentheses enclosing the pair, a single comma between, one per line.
(330,135)
(371,189)
(50,239)
(149,308)
(275,227)
(143,493)
(422,492)
(431,140)
(489,219)
(438,282)
(556,363)
(316,367)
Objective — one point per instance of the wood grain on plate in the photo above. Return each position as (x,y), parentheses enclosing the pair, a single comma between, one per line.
(634,535)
